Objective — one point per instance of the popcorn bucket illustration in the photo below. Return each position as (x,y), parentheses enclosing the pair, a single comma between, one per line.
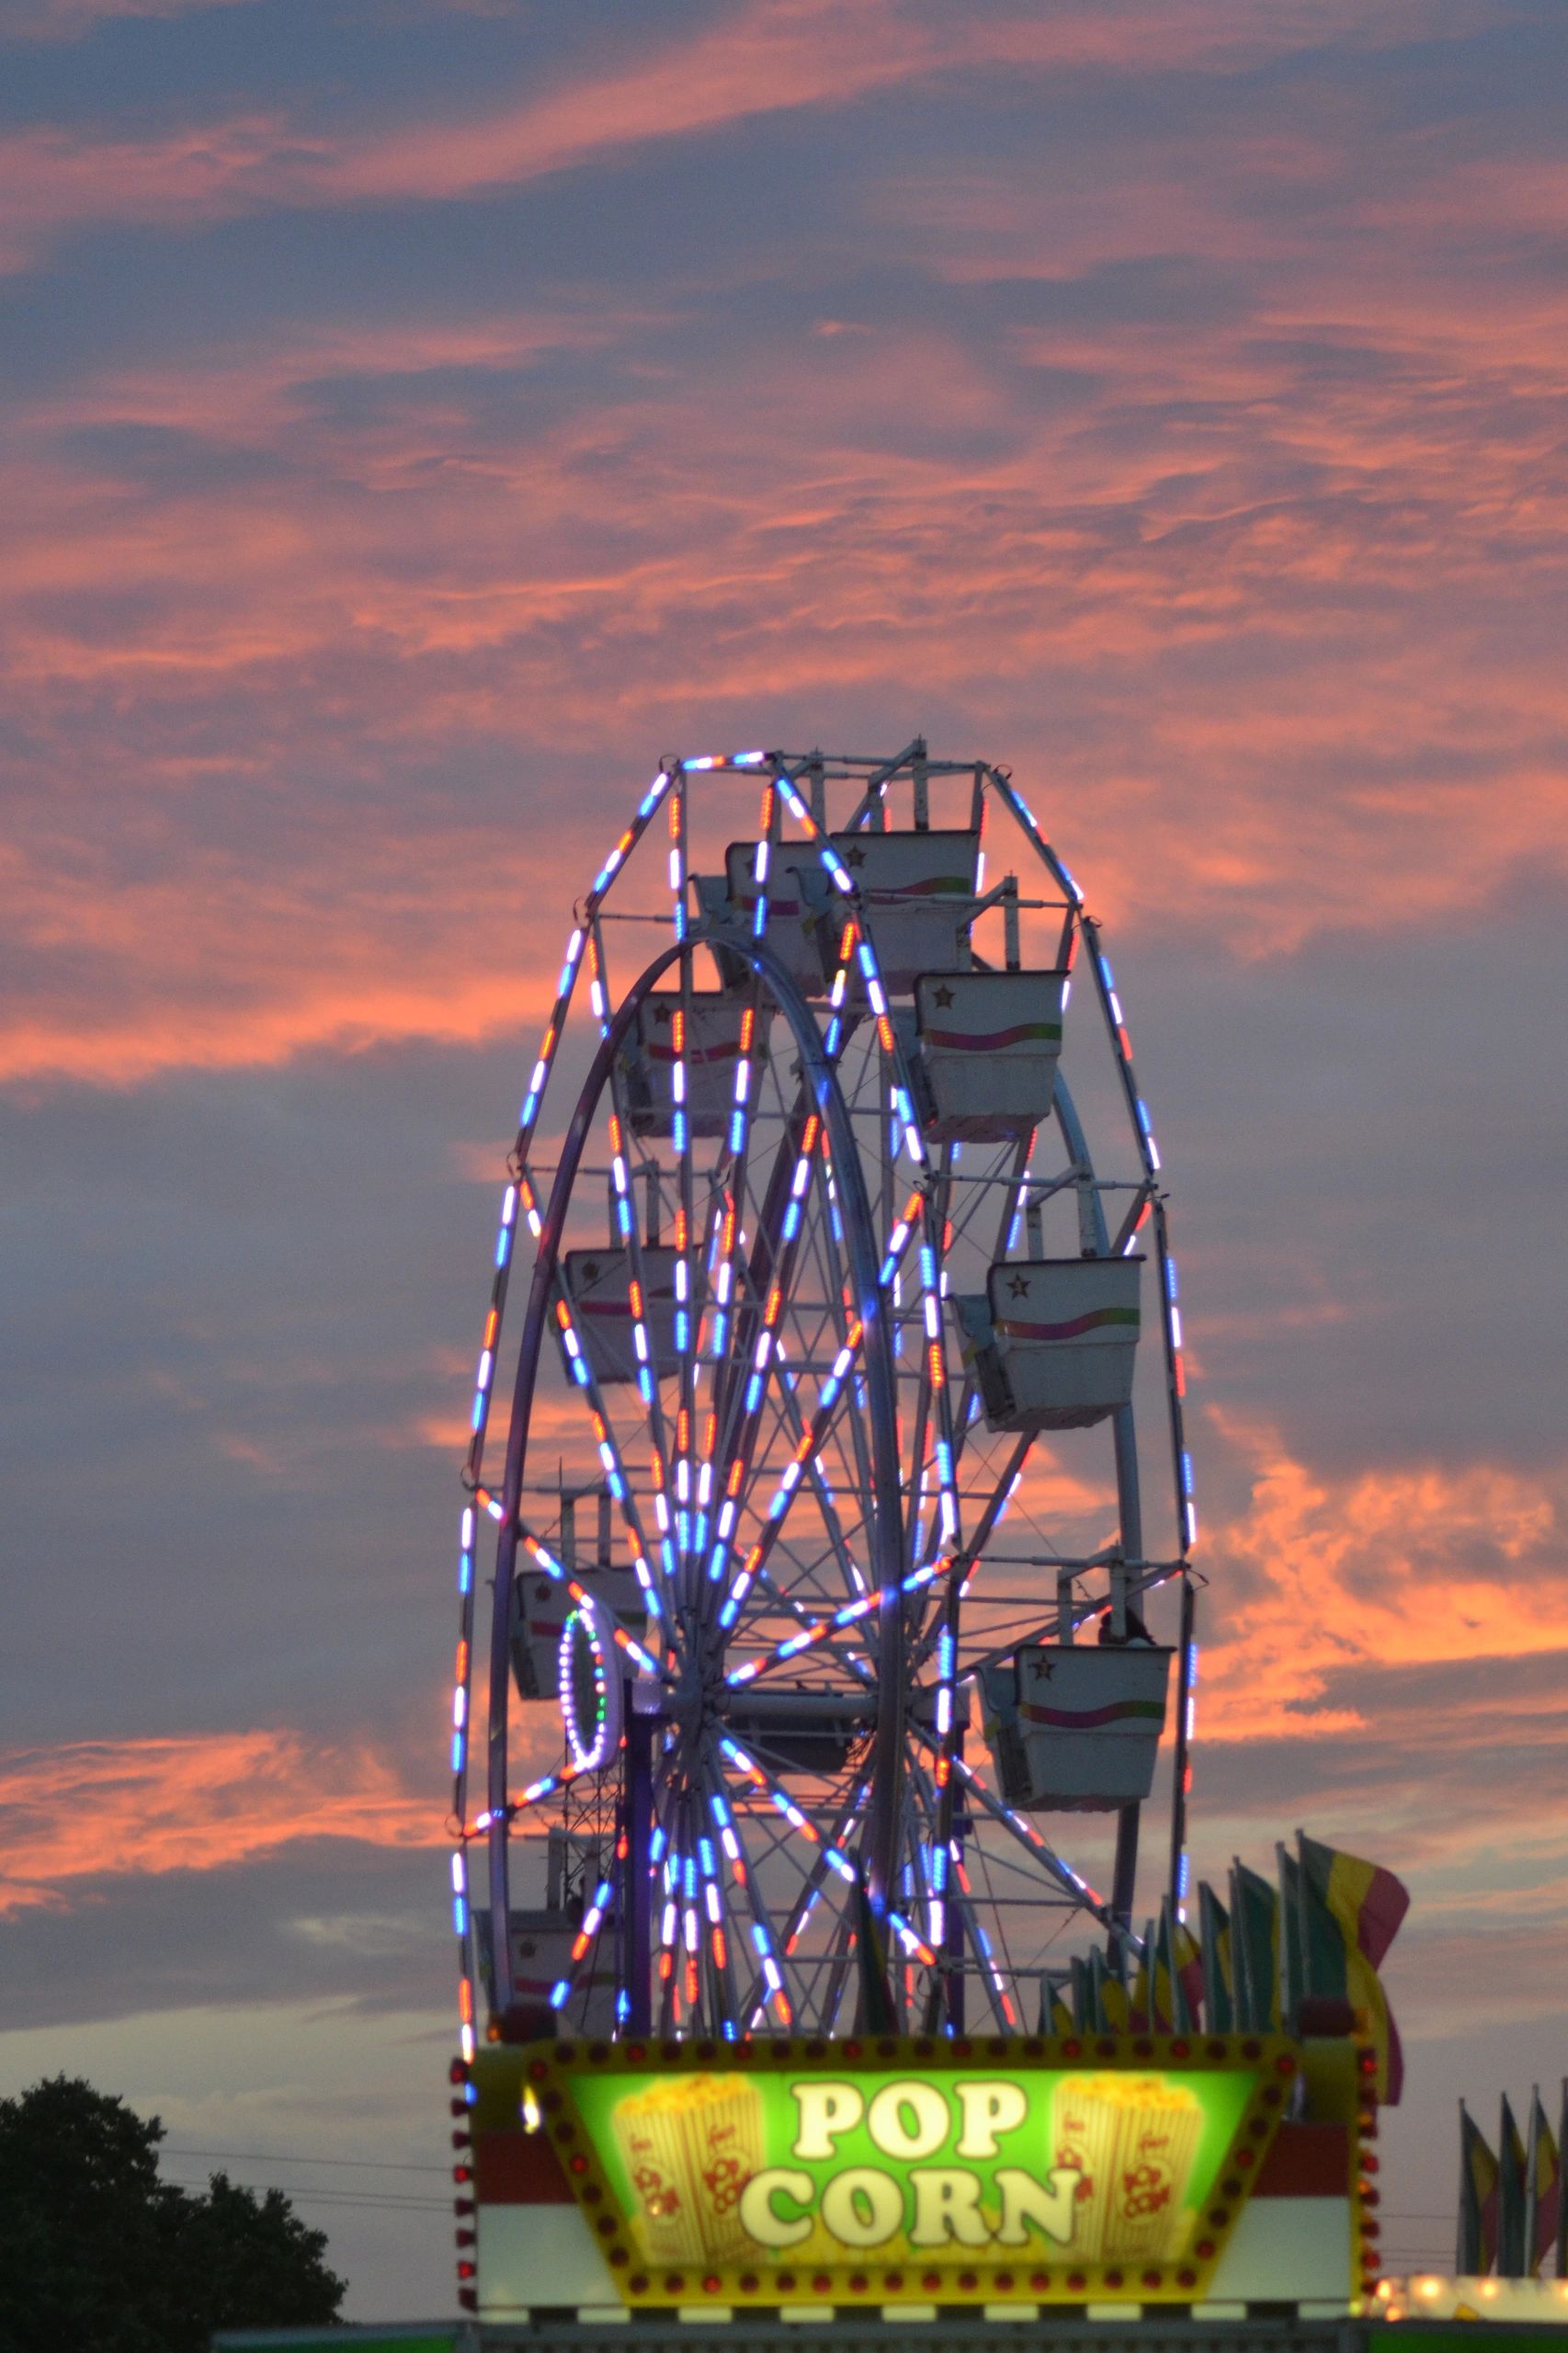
(1131,2140)
(1146,2216)
(689,2148)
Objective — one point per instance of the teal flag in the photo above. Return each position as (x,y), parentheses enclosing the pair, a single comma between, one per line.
(1255,1945)
(1214,1935)
(1513,2203)
(1291,1965)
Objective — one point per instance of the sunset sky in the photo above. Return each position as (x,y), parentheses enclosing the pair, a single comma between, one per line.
(421,415)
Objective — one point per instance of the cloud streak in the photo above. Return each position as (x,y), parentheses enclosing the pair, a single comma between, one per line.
(1329,1582)
(203,1803)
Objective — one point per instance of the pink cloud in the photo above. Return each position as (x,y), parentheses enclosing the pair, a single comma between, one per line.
(1255,616)
(769,57)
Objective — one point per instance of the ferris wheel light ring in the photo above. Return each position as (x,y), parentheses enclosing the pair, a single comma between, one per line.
(700,1480)
(590,1747)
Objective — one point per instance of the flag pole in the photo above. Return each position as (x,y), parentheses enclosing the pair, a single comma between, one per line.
(1462,2236)
(1562,2191)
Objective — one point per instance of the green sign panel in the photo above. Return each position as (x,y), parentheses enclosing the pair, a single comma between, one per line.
(956,2170)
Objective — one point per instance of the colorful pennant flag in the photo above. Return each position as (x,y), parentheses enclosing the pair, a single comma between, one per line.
(1347,1912)
(1369,1900)
(1477,2249)
(1543,2188)
(1214,1931)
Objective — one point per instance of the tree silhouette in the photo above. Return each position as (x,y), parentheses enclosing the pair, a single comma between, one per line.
(99,2255)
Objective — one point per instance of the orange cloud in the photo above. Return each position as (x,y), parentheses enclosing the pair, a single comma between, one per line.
(1416,1566)
(91,1808)
(96,1810)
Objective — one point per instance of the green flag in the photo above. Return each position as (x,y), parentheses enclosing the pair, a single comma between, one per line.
(1562,2198)
(1291,1970)
(1325,1974)
(1513,2218)
(1255,1945)
(1214,1933)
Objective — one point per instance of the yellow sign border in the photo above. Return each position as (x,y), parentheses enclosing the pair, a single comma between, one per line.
(546,2078)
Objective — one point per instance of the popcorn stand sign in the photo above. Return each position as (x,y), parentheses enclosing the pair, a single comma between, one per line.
(763,2172)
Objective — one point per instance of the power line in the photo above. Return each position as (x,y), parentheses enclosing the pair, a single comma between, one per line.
(313,2196)
(299,2158)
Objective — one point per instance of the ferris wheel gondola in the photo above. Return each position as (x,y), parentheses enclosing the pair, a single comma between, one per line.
(840,1239)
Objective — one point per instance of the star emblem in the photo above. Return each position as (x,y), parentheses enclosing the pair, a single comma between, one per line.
(856,856)
(1044,1669)
(590,1271)
(1019,1287)
(661,1015)
(944,996)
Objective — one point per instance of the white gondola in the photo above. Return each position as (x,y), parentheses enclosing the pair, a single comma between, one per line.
(989,1043)
(918,889)
(803,918)
(717,1036)
(1053,1343)
(598,1286)
(1075,1728)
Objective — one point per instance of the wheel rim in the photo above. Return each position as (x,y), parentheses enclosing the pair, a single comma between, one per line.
(844,1606)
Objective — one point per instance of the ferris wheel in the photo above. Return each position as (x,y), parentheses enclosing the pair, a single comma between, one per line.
(832,1578)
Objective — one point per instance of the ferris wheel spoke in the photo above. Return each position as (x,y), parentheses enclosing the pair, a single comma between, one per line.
(1062,1872)
(547,1786)
(770,1964)
(793,1430)
(768,1276)
(851,1613)
(807,1449)
(835,1857)
(758,1352)
(817,1873)
(804,1467)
